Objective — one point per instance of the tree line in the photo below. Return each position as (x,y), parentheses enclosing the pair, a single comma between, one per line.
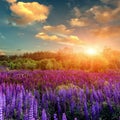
(63,59)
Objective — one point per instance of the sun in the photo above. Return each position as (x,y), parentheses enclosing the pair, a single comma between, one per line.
(91,51)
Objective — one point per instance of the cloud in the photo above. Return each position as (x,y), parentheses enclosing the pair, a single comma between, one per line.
(79,22)
(11,1)
(105,1)
(59,29)
(105,14)
(2,52)
(2,36)
(112,2)
(20,34)
(61,35)
(28,13)
(45,36)
(107,32)
(76,12)
(109,12)
(72,39)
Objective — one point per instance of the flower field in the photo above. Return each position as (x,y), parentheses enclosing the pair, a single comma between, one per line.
(59,95)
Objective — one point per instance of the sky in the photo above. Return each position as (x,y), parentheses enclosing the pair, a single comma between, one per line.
(43,25)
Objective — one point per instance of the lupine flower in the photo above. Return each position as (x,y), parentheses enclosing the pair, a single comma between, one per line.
(109,104)
(20,103)
(86,111)
(25,117)
(44,116)
(72,105)
(75,118)
(35,109)
(93,111)
(58,106)
(13,104)
(55,117)
(88,102)
(64,116)
(97,109)
(8,111)
(4,102)
(1,107)
(30,114)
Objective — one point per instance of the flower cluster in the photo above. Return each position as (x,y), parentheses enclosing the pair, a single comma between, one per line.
(59,95)
(17,103)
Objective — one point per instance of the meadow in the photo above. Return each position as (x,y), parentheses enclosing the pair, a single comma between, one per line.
(55,89)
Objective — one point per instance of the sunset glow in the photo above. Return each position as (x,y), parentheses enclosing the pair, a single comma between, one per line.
(91,51)
(59,59)
(34,25)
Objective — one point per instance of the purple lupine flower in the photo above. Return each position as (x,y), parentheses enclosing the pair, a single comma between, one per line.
(35,109)
(7,94)
(20,103)
(75,118)
(30,114)
(8,110)
(91,98)
(64,116)
(72,106)
(100,94)
(1,106)
(13,105)
(25,117)
(43,100)
(97,109)
(109,104)
(4,102)
(87,91)
(107,91)
(44,116)
(115,94)
(95,95)
(58,105)
(81,95)
(93,111)
(55,117)
(25,101)
(37,95)
(86,111)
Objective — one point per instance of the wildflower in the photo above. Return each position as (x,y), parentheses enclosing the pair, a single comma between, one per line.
(44,116)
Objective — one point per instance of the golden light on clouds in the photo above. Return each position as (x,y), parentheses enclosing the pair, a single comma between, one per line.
(27,13)
(61,29)
(60,34)
(2,52)
(72,39)
(107,32)
(78,22)
(105,14)
(45,36)
(11,1)
(77,26)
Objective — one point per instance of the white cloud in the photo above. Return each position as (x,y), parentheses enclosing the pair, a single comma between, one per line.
(2,36)
(76,12)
